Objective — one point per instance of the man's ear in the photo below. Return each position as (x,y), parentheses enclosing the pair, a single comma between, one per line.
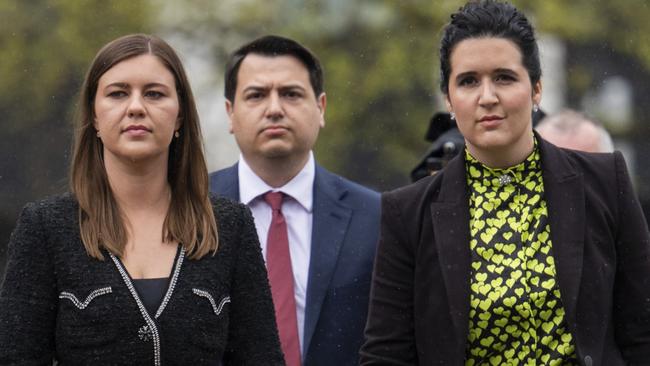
(321,101)
(229,111)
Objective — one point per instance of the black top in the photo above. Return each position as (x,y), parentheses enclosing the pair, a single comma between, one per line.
(151,292)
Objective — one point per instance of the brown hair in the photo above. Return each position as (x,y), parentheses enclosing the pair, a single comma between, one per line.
(190,219)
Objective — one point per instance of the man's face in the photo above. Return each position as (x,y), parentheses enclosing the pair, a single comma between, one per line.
(275,114)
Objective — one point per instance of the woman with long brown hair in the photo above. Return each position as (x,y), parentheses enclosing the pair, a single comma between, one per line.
(138,264)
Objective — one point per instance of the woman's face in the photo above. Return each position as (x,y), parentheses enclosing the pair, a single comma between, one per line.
(492,97)
(137,110)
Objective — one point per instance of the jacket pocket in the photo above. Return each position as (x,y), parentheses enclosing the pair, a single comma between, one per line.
(217,308)
(210,330)
(84,320)
(81,305)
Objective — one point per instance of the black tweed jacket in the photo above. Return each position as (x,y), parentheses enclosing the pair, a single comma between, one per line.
(57,303)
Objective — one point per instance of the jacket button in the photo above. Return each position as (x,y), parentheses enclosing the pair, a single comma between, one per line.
(588,361)
(144,333)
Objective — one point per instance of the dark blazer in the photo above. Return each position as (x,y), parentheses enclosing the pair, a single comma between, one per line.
(344,237)
(420,297)
(56,302)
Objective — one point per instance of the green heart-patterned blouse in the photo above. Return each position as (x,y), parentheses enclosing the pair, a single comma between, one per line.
(516,313)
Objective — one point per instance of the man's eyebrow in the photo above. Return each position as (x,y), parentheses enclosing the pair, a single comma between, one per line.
(292,86)
(255,88)
(505,70)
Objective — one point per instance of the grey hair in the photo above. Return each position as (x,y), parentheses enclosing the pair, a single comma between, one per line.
(568,122)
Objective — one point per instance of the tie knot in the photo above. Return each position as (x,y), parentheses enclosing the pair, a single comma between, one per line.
(274,199)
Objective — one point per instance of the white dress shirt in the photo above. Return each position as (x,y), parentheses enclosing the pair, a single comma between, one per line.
(297,210)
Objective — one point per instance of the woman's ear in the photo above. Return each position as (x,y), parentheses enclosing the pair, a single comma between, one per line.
(537,92)
(179,123)
(450,109)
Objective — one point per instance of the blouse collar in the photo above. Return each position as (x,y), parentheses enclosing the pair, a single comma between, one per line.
(478,172)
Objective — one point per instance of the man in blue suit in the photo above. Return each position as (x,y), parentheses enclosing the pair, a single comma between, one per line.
(276,105)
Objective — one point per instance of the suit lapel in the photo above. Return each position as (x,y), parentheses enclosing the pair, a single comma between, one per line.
(225,182)
(450,216)
(565,199)
(331,218)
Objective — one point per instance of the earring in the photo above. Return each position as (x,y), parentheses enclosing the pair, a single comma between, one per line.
(535,108)
(452,115)
(177,134)
(98,133)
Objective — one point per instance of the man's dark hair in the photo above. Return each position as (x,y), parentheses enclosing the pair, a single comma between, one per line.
(273,46)
(489,18)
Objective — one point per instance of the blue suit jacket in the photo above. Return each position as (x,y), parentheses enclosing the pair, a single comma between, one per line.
(344,238)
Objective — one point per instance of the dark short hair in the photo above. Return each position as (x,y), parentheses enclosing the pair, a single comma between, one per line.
(273,46)
(489,18)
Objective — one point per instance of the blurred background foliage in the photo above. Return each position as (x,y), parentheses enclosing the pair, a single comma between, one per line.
(380,61)
(45,48)
(379,56)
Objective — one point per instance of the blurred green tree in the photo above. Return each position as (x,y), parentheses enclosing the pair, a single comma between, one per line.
(380,60)
(377,56)
(45,48)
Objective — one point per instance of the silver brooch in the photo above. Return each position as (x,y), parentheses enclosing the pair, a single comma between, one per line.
(505,179)
(144,333)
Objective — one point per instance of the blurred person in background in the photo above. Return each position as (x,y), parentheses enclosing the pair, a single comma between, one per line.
(573,130)
(318,231)
(138,264)
(517,252)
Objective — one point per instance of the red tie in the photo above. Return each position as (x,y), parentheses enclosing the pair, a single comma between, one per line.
(278,263)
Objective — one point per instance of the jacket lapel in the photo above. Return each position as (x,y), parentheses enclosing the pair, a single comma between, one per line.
(331,218)
(450,216)
(565,199)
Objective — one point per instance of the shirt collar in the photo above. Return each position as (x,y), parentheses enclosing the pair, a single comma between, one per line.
(494,177)
(300,187)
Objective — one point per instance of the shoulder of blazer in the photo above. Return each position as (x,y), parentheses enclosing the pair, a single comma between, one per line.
(55,220)
(228,213)
(225,181)
(562,164)
(427,186)
(55,211)
(342,189)
(451,179)
(59,202)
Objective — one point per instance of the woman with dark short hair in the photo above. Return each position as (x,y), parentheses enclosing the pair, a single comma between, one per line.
(517,252)
(138,264)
